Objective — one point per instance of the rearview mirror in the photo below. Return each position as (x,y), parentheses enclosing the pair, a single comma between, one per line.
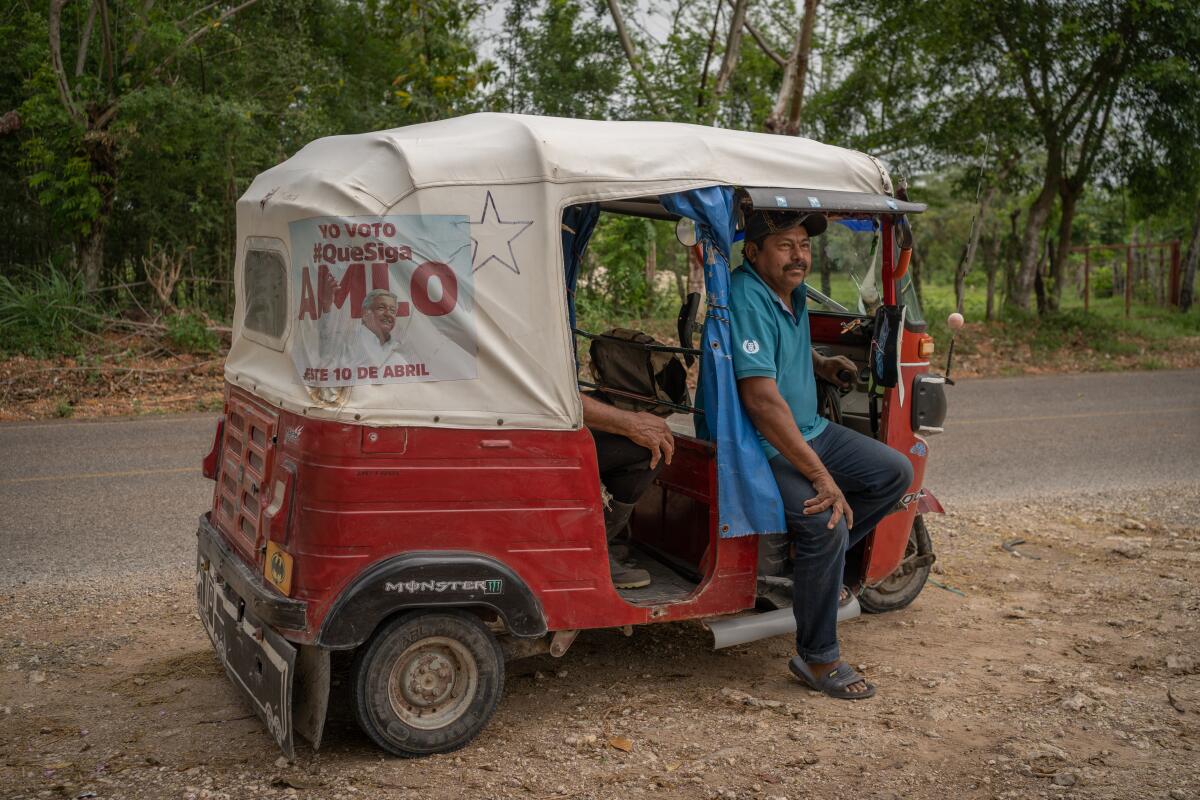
(686,233)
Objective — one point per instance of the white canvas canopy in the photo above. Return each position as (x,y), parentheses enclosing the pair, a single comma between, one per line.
(461,221)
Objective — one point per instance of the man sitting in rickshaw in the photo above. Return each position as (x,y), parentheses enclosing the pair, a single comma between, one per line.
(631,447)
(836,483)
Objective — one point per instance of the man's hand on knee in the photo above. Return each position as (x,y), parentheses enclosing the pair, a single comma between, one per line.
(829,496)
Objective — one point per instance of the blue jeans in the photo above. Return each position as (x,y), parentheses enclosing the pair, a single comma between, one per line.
(872,476)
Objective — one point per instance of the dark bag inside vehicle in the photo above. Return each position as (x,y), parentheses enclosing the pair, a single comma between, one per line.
(885,345)
(621,362)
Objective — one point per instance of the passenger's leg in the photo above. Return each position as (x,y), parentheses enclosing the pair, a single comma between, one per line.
(624,466)
(817,567)
(626,474)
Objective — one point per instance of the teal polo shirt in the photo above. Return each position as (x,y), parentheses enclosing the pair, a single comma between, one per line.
(770,341)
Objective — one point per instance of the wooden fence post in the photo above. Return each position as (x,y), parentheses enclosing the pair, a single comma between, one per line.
(1128,278)
(1087,283)
(1175,277)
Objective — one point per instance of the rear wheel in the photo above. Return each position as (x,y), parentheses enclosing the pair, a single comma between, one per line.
(428,682)
(902,586)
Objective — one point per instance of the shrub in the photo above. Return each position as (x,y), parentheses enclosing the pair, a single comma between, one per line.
(44,314)
(188,332)
(1078,330)
(1101,281)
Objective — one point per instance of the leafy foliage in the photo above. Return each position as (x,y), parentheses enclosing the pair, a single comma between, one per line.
(175,107)
(189,333)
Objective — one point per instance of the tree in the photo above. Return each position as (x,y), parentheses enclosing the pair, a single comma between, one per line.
(1068,64)
(143,122)
(634,57)
(123,62)
(1159,123)
(785,115)
(558,59)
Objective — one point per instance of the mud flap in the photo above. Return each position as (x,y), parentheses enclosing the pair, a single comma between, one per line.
(310,702)
(257,659)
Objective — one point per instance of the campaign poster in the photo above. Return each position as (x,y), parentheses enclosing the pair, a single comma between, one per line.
(382,300)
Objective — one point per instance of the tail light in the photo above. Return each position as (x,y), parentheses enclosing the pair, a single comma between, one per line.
(209,465)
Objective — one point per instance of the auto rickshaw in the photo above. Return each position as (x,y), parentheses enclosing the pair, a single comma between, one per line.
(431,503)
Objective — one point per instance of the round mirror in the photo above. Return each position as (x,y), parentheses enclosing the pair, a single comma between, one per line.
(686,233)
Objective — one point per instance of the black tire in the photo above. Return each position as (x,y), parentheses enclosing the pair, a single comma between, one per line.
(428,682)
(902,586)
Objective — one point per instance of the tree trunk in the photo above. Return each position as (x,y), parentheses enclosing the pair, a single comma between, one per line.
(1031,244)
(635,64)
(695,282)
(915,270)
(1039,283)
(708,54)
(991,261)
(733,48)
(651,260)
(1187,285)
(1012,257)
(1058,264)
(103,165)
(968,259)
(785,115)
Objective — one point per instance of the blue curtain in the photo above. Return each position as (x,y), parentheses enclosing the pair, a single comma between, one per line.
(748,497)
(578,222)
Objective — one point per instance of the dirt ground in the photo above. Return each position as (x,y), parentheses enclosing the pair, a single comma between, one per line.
(1068,671)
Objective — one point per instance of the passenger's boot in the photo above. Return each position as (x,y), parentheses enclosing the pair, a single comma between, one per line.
(616,517)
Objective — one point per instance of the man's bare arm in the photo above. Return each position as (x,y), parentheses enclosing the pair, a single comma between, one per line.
(641,427)
(771,416)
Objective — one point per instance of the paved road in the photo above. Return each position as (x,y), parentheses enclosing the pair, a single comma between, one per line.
(119,499)
(1029,437)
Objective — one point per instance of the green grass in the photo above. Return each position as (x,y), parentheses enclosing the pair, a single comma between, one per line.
(189,333)
(44,313)
(1102,330)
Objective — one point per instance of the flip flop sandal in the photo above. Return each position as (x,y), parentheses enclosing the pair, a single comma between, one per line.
(834,682)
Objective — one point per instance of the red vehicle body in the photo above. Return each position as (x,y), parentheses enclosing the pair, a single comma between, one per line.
(530,499)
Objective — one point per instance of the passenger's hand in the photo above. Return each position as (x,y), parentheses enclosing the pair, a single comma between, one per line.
(831,497)
(652,433)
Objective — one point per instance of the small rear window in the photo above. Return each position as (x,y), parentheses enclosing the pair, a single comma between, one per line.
(266,293)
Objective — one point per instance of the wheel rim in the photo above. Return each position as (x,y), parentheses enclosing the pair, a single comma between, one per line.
(432,683)
(898,581)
